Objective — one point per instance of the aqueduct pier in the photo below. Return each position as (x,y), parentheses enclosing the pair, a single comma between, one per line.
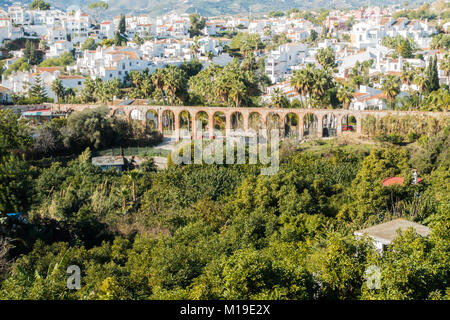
(171,120)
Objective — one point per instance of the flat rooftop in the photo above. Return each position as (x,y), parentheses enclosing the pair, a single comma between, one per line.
(108,161)
(386,232)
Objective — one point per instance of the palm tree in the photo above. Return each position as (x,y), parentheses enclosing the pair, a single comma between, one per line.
(158,78)
(391,88)
(322,82)
(300,82)
(407,75)
(421,81)
(132,177)
(58,88)
(445,66)
(146,86)
(174,80)
(303,80)
(135,78)
(195,46)
(345,96)
(237,91)
(279,98)
(100,91)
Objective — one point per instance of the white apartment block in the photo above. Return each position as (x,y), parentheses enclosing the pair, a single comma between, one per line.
(110,63)
(78,26)
(59,47)
(107,29)
(281,61)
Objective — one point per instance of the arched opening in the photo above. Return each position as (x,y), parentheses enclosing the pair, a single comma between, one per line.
(185,123)
(348,123)
(202,118)
(119,113)
(310,124)
(168,121)
(136,115)
(219,122)
(329,125)
(138,127)
(237,121)
(291,123)
(151,120)
(273,123)
(255,122)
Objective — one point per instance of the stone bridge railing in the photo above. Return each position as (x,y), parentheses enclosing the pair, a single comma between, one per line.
(168,118)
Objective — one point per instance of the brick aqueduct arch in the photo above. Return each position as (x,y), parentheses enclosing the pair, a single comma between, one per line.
(319,114)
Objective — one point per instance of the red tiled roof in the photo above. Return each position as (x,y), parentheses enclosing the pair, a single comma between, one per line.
(396,180)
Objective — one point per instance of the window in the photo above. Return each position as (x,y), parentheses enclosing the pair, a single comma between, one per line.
(79,83)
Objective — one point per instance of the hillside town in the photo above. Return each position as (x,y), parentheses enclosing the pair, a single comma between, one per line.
(363,47)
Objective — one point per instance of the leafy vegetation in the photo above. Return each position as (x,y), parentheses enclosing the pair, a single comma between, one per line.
(221,231)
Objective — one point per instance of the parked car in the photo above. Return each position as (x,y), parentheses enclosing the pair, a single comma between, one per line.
(347,128)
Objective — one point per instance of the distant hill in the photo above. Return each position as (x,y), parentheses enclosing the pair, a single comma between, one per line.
(215,7)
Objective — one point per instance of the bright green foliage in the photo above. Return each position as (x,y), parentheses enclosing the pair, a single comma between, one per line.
(232,85)
(403,46)
(40,4)
(19,65)
(89,44)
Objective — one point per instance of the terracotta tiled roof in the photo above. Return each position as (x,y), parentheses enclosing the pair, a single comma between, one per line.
(4,89)
(49,69)
(70,77)
(359,94)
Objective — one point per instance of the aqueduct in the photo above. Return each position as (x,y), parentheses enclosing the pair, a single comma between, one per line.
(170,120)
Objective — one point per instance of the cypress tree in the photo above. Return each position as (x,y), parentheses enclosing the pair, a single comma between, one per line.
(122,26)
(434,76)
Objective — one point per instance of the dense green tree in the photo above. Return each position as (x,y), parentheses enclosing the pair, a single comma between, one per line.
(14,133)
(89,44)
(40,4)
(326,57)
(15,185)
(30,53)
(64,60)
(197,24)
(368,192)
(432,75)
(122,28)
